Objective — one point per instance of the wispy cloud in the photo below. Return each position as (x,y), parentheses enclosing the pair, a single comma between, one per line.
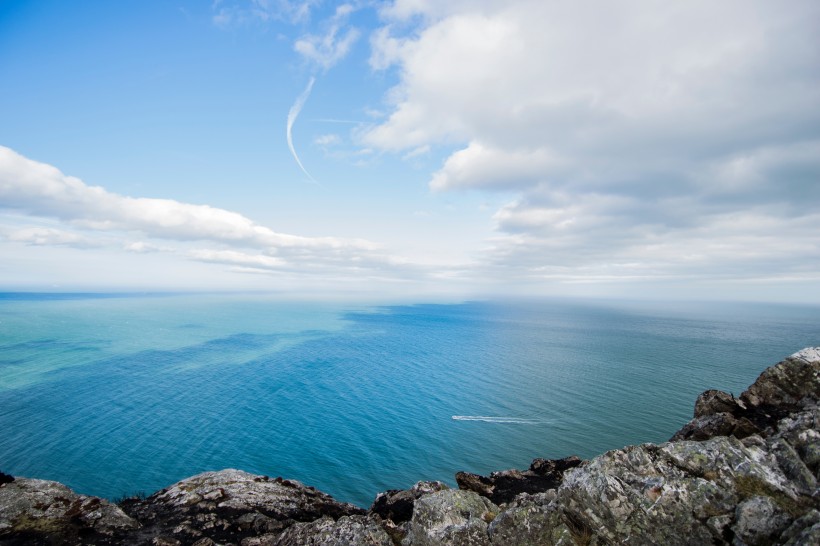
(240,12)
(331,46)
(141,247)
(327,140)
(233,257)
(43,236)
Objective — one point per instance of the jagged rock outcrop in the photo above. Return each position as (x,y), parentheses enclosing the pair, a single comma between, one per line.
(396,505)
(790,386)
(744,471)
(46,512)
(230,506)
(394,508)
(451,516)
(505,485)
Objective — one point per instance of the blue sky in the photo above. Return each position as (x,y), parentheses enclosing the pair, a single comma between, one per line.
(458,149)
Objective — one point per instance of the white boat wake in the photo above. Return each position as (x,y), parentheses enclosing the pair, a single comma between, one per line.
(489,419)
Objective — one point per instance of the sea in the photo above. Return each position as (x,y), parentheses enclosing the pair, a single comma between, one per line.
(121,394)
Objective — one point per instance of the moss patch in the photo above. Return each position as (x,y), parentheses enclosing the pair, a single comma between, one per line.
(751,486)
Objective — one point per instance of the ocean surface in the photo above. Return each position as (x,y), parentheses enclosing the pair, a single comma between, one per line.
(119,394)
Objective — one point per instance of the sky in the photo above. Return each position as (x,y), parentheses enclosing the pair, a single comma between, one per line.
(412,148)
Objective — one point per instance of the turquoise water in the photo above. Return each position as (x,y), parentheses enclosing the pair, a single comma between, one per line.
(114,395)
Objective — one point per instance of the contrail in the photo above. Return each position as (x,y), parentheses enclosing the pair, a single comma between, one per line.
(292,115)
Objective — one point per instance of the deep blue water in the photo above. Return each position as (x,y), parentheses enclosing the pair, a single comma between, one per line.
(114,395)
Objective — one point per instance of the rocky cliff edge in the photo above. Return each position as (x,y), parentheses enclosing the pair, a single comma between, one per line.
(744,471)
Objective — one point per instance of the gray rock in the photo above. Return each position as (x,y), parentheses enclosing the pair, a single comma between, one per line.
(804,531)
(230,505)
(802,431)
(788,387)
(46,510)
(759,521)
(640,494)
(717,424)
(713,401)
(503,486)
(451,517)
(396,505)
(793,466)
(346,531)
(531,520)
(244,492)
(787,384)
(687,492)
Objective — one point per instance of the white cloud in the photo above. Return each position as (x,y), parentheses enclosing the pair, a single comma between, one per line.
(327,140)
(417,152)
(42,236)
(334,44)
(403,10)
(590,235)
(233,257)
(141,247)
(640,136)
(385,49)
(242,12)
(478,166)
(587,77)
(41,190)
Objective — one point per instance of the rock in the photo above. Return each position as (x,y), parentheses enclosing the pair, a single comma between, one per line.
(713,401)
(531,519)
(721,490)
(759,521)
(396,505)
(5,478)
(34,511)
(641,491)
(346,531)
(802,431)
(230,505)
(804,530)
(794,467)
(502,487)
(554,467)
(451,517)
(779,391)
(789,383)
(718,424)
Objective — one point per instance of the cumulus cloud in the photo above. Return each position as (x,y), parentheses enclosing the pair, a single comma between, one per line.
(40,190)
(478,166)
(638,135)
